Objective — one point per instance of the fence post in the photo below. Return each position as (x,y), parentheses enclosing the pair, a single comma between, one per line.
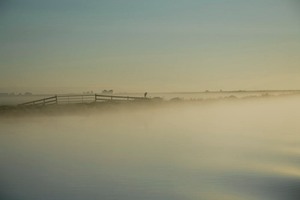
(56,99)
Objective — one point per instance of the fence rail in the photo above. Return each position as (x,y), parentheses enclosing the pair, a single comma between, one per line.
(73,99)
(44,101)
(77,99)
(99,97)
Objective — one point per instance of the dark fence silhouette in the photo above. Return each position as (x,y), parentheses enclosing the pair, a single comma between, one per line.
(77,99)
(45,101)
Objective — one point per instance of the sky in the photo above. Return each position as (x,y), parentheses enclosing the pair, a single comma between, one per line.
(62,46)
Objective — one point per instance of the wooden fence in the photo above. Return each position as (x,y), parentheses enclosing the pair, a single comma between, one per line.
(77,99)
(45,101)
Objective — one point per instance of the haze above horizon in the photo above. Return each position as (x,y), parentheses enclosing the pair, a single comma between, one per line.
(137,45)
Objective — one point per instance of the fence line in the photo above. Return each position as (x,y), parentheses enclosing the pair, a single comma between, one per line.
(73,99)
(117,98)
(44,101)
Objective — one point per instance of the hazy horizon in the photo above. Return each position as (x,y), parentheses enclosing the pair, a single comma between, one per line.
(170,140)
(89,92)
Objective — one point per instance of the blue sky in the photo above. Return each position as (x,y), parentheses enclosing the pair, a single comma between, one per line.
(158,45)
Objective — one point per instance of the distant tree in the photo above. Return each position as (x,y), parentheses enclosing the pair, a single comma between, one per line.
(107,92)
(176,99)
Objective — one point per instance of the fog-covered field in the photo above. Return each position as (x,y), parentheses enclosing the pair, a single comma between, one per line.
(235,149)
(18,99)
